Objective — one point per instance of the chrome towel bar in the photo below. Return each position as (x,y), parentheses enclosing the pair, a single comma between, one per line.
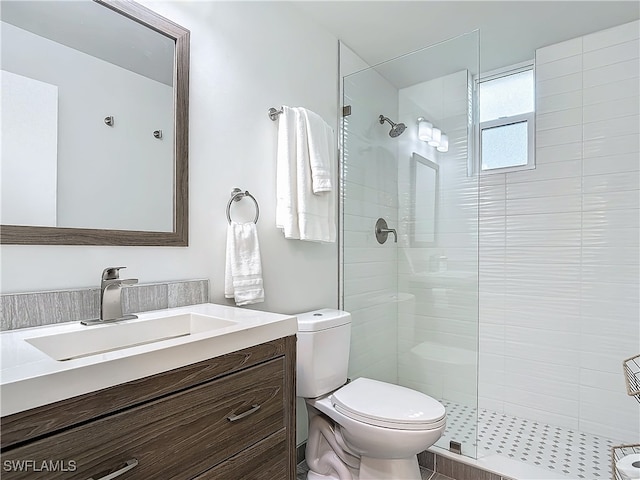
(273,113)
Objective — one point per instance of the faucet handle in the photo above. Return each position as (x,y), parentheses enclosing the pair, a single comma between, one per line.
(111,273)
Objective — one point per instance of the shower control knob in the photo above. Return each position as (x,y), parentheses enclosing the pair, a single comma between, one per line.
(382,231)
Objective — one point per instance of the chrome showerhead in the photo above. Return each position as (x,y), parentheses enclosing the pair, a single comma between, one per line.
(396,128)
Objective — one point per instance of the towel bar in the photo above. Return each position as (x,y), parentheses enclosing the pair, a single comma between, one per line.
(236,196)
(273,113)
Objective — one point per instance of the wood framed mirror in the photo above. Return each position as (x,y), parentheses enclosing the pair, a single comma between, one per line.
(102,147)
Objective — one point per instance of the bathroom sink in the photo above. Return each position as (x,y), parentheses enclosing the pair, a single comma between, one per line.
(47,364)
(115,336)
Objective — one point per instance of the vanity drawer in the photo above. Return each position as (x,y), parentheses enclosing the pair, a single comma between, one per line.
(179,436)
(266,460)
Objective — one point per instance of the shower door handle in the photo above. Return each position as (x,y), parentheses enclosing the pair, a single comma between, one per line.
(383,231)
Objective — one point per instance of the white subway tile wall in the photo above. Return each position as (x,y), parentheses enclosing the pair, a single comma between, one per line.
(568,310)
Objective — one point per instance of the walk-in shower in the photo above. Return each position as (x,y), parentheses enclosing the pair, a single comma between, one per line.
(512,298)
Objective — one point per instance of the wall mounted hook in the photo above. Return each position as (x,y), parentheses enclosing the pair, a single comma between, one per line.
(108,120)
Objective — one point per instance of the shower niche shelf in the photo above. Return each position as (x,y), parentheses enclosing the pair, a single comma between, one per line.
(632,376)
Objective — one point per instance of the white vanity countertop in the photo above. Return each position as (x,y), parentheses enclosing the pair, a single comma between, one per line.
(29,378)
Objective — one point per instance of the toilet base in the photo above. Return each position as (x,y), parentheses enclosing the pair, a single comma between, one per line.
(316,476)
(379,469)
(389,468)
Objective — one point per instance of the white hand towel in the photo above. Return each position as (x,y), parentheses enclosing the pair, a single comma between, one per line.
(243,268)
(320,140)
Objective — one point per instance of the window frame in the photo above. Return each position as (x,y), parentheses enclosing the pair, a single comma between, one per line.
(528,117)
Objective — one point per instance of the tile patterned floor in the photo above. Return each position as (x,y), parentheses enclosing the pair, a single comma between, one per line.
(575,454)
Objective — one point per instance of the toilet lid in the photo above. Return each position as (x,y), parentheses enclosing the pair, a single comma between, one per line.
(386,405)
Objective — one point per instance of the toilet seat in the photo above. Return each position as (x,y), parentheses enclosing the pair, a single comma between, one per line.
(386,405)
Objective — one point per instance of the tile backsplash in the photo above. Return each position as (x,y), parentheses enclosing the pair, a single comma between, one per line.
(21,310)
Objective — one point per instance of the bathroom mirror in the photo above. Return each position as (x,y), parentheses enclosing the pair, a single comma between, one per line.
(424,201)
(95,124)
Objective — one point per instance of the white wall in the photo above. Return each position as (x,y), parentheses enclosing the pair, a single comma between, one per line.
(559,247)
(29,132)
(245,58)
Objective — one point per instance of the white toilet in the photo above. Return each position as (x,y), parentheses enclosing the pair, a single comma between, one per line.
(365,429)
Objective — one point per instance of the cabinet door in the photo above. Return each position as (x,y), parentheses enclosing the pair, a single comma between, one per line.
(179,436)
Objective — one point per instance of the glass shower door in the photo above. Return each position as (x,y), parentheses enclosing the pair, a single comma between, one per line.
(370,192)
(415,302)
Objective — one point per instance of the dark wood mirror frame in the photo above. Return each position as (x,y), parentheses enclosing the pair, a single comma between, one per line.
(32,235)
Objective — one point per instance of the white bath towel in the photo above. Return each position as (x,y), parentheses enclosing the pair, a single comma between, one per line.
(301,213)
(243,268)
(286,177)
(320,140)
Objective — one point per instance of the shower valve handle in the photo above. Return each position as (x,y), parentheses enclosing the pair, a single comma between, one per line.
(383,231)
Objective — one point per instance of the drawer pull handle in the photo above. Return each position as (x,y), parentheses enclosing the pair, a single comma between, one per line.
(128,466)
(233,418)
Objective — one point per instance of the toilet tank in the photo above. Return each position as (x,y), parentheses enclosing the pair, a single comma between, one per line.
(323,351)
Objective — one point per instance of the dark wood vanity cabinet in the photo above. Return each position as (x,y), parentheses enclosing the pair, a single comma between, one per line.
(231,417)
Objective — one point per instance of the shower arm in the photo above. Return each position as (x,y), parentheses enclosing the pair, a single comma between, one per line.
(383,119)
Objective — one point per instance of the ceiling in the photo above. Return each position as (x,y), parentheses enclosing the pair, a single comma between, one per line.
(510,31)
(377,31)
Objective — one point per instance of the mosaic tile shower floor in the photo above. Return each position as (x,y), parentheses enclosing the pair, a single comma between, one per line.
(573,454)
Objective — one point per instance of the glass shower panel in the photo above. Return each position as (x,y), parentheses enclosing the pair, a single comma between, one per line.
(369,192)
(415,302)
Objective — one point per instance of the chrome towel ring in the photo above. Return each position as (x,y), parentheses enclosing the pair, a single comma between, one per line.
(236,196)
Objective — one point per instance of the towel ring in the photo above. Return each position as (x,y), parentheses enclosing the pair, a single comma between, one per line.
(236,196)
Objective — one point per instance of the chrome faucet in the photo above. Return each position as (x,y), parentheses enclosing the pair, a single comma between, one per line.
(111,297)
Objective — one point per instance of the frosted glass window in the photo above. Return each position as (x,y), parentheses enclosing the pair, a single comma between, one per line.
(506,96)
(507,117)
(505,146)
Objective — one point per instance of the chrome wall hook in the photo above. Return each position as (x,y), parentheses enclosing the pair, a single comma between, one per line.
(108,120)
